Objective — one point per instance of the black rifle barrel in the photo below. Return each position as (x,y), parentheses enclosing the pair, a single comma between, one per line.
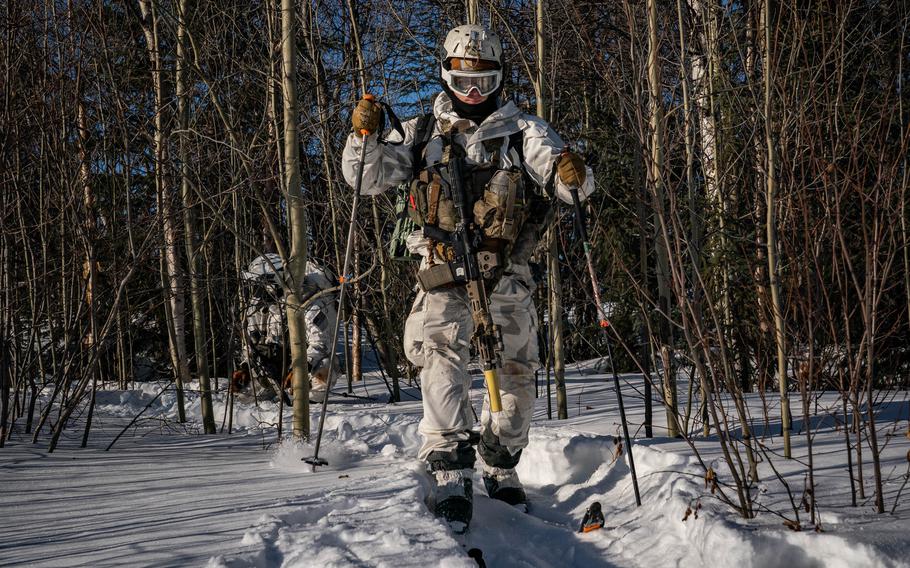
(486,333)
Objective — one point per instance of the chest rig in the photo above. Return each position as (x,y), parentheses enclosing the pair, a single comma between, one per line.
(507,209)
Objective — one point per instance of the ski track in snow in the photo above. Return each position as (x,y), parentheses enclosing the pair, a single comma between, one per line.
(161,499)
(384,520)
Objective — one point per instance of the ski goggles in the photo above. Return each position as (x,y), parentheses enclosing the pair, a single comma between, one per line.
(462,82)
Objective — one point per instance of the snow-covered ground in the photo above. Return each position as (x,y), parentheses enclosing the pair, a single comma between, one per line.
(166,495)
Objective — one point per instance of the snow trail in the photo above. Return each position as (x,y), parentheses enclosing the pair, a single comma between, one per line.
(384,520)
(165,498)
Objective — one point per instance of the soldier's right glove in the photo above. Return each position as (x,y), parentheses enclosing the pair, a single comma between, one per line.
(366,116)
(571,169)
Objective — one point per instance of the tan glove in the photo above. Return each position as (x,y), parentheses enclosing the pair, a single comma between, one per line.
(319,376)
(571,169)
(366,116)
(289,383)
(240,379)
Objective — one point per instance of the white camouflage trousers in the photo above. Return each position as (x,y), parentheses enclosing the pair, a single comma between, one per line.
(437,338)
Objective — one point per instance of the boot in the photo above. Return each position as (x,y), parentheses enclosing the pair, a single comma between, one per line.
(318,392)
(455,497)
(319,387)
(503,484)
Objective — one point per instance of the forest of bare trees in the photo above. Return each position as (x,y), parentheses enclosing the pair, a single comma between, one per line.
(750,225)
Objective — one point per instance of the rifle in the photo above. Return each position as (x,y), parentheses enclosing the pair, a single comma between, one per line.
(471,266)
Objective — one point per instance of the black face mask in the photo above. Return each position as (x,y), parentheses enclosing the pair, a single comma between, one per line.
(477,113)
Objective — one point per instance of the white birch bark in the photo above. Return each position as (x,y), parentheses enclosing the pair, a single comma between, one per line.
(173,283)
(297,216)
(660,241)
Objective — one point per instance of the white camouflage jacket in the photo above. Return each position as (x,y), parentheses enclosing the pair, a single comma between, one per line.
(266,319)
(387,165)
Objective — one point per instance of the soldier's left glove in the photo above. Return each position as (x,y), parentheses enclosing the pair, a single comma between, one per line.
(571,169)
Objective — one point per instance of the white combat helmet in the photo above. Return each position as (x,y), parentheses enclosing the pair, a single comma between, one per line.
(267,266)
(472,59)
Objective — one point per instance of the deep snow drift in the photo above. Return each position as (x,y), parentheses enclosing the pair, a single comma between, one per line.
(167,496)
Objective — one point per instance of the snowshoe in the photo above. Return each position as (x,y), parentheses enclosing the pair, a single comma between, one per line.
(455,498)
(504,485)
(317,395)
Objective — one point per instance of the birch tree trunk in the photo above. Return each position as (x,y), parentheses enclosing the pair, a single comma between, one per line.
(297,216)
(696,227)
(771,228)
(472,11)
(89,269)
(754,41)
(643,330)
(905,181)
(323,99)
(380,249)
(191,232)
(89,234)
(173,284)
(554,281)
(356,373)
(660,241)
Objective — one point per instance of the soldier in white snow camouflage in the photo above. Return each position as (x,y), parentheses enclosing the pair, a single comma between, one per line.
(266,328)
(517,164)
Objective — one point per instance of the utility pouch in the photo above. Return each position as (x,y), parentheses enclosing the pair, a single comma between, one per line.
(539,214)
(417,199)
(436,276)
(428,203)
(452,273)
(489,263)
(500,211)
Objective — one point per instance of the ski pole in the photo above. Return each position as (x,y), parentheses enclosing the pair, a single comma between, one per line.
(316,460)
(604,325)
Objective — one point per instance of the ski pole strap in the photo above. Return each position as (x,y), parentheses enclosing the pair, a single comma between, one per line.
(396,124)
(579,216)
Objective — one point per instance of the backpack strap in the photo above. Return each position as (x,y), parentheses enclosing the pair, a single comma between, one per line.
(422,135)
(517,141)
